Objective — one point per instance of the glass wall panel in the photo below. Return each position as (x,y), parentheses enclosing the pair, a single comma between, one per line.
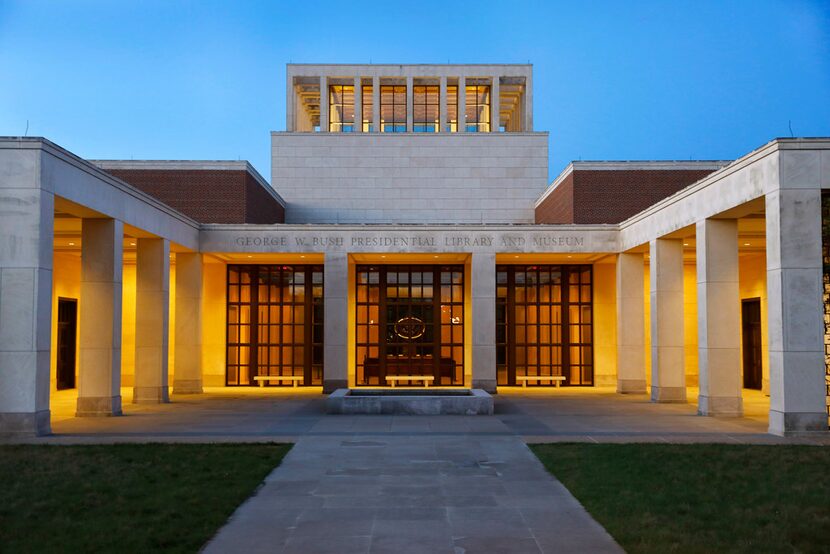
(341,108)
(274,323)
(452,109)
(368,101)
(478,108)
(544,324)
(409,321)
(425,106)
(393,108)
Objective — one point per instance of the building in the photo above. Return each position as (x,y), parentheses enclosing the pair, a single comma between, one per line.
(411,231)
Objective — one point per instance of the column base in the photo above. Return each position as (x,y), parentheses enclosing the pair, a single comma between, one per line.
(720,406)
(98,406)
(150,395)
(25,424)
(787,424)
(668,395)
(331,385)
(487,385)
(631,386)
(187,386)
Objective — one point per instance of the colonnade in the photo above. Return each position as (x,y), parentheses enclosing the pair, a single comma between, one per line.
(796,341)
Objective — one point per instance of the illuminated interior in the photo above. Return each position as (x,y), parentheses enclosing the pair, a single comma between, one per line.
(275,323)
(544,324)
(409,321)
(341,109)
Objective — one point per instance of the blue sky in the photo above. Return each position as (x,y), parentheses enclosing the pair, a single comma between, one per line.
(612,80)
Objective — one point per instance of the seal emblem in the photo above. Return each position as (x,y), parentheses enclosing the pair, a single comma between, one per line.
(409,327)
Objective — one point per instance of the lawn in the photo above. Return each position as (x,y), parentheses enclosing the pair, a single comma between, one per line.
(701,498)
(124,498)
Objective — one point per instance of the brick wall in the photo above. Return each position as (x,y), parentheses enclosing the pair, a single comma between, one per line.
(612,195)
(558,206)
(208,196)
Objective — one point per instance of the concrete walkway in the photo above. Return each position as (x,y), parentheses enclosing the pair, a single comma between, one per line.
(420,493)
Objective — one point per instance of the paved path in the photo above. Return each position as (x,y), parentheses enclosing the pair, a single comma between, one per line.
(424,493)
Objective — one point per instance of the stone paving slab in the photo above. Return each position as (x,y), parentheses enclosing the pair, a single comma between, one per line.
(419,494)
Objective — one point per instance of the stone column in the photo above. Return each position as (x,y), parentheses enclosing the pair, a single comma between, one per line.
(290,105)
(26,228)
(668,376)
(442,105)
(376,104)
(335,322)
(495,105)
(631,349)
(358,105)
(99,373)
(152,295)
(462,104)
(483,298)
(795,312)
(187,357)
(324,104)
(718,318)
(409,106)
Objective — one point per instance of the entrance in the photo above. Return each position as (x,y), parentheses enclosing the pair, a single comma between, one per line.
(544,325)
(409,321)
(67,340)
(275,324)
(752,350)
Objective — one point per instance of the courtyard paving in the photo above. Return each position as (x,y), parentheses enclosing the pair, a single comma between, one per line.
(401,484)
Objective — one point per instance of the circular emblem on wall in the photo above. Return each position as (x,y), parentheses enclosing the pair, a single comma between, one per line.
(409,327)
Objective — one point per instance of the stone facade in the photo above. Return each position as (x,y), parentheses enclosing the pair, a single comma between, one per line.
(409,177)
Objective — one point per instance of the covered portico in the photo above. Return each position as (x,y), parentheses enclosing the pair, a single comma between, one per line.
(80,243)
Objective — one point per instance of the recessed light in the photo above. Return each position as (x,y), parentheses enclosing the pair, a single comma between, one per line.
(746,244)
(383,256)
(515,256)
(685,244)
(435,256)
(302,256)
(132,244)
(250,256)
(570,256)
(71,244)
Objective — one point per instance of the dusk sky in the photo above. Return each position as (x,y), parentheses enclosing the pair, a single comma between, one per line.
(612,80)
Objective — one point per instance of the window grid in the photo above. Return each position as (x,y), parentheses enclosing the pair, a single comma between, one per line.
(274,324)
(425,108)
(393,108)
(385,295)
(478,108)
(544,324)
(341,108)
(452,109)
(368,111)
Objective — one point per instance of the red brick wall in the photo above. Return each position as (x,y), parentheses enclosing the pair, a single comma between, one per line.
(208,196)
(260,206)
(612,196)
(558,207)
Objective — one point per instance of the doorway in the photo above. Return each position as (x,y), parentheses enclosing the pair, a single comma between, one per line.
(752,349)
(409,322)
(67,340)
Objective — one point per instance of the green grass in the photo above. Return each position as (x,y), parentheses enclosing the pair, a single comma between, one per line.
(701,498)
(124,498)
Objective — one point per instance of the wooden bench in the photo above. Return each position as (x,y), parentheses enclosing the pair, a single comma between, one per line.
(525,378)
(262,378)
(393,379)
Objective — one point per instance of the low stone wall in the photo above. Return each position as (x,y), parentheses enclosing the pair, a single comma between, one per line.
(410,402)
